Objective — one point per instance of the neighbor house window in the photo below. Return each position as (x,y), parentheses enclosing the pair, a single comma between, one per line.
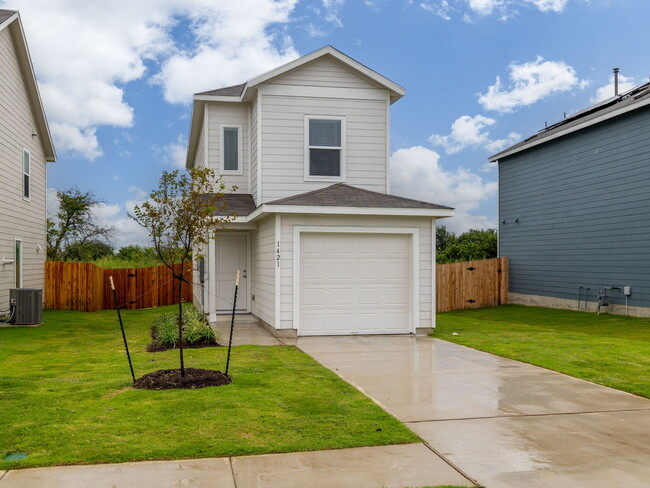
(231,149)
(324,148)
(18,265)
(26,174)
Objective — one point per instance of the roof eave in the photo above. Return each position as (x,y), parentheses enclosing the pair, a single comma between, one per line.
(597,120)
(22,51)
(196,123)
(265,209)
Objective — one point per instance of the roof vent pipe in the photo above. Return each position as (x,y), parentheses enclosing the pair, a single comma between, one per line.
(615,82)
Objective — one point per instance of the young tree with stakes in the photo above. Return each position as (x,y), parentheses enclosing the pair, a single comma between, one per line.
(179,216)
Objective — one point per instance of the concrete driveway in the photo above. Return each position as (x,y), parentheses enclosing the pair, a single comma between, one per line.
(502,422)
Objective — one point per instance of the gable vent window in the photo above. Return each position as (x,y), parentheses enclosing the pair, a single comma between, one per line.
(325,151)
(26,174)
(231,149)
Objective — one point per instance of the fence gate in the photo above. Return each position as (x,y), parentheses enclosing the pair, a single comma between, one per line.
(472,284)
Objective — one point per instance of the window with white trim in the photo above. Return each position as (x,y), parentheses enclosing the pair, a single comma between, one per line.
(18,263)
(324,148)
(231,149)
(26,174)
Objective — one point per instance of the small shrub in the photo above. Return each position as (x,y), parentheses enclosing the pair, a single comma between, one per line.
(196,331)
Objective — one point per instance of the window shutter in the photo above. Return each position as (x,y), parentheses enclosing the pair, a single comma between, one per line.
(230,148)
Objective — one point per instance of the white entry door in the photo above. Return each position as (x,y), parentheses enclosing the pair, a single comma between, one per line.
(354,284)
(232,253)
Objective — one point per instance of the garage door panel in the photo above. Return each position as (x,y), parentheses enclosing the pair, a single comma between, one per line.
(355,283)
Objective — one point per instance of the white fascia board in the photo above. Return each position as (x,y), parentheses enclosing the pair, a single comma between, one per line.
(8,21)
(398,90)
(569,130)
(311,210)
(216,98)
(196,125)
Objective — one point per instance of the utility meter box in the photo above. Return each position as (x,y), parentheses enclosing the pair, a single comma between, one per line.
(28,306)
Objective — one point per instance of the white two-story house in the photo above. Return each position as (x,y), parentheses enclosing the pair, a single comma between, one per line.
(25,147)
(322,247)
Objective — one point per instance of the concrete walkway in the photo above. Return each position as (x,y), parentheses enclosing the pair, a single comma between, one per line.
(504,423)
(366,467)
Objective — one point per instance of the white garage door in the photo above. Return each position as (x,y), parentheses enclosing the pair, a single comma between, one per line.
(354,284)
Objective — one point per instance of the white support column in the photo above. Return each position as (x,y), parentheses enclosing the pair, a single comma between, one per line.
(434,268)
(212,279)
(278,271)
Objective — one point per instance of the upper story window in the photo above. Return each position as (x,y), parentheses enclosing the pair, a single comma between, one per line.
(231,150)
(324,148)
(26,174)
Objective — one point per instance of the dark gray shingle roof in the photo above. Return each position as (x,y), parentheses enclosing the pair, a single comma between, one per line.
(229,91)
(342,195)
(5,14)
(628,99)
(239,204)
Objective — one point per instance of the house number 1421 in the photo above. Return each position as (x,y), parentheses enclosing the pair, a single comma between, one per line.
(277,255)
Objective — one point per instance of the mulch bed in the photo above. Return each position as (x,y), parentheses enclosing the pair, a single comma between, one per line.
(168,379)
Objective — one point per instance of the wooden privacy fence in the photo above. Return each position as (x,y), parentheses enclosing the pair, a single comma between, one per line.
(85,287)
(472,284)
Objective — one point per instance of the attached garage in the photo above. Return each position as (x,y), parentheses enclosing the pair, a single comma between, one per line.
(356,282)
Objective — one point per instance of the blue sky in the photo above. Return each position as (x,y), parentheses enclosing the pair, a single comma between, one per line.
(117,79)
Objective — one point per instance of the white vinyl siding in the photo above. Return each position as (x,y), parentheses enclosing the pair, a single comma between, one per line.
(367,222)
(283,143)
(325,72)
(222,115)
(18,217)
(263,271)
(199,160)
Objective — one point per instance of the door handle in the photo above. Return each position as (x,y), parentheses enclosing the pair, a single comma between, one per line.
(244,274)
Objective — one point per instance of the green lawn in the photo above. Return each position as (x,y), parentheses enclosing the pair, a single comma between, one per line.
(611,350)
(65,399)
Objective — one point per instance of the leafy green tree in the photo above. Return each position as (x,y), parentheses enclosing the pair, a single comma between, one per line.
(444,238)
(178,216)
(90,251)
(473,245)
(134,252)
(74,226)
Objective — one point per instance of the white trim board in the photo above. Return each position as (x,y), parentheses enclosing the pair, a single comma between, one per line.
(414,232)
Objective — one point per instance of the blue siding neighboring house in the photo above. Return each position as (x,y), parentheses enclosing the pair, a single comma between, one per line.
(574,208)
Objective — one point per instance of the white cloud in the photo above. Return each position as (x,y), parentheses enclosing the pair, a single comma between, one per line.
(549,5)
(415,172)
(530,82)
(85,54)
(175,153)
(604,92)
(331,11)
(501,9)
(469,131)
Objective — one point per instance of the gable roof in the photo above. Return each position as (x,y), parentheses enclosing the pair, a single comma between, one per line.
(228,91)
(630,100)
(237,93)
(10,19)
(342,195)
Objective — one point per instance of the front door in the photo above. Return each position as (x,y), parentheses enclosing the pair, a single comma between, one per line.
(232,252)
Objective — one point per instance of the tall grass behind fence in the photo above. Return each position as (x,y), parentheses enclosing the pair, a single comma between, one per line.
(85,287)
(472,284)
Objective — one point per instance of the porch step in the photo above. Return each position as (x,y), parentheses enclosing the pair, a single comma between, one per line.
(241,318)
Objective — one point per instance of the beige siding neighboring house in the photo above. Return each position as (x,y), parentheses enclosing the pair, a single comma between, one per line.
(25,147)
(323,248)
